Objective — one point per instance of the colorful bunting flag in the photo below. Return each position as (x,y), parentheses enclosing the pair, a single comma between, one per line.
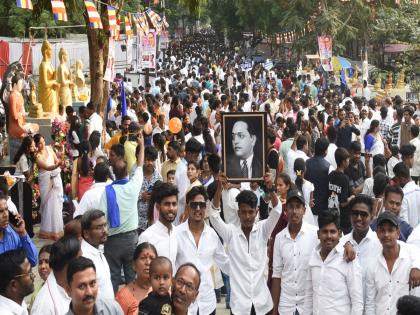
(165,23)
(112,19)
(59,10)
(144,24)
(135,21)
(24,4)
(128,30)
(94,18)
(154,17)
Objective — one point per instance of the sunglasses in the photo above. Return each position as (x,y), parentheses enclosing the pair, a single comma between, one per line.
(356,213)
(194,205)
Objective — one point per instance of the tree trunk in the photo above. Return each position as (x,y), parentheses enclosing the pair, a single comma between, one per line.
(96,65)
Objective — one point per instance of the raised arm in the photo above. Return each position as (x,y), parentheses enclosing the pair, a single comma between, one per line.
(218,224)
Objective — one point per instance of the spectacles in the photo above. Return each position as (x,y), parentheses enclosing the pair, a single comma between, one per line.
(30,273)
(194,205)
(356,213)
(179,283)
(99,227)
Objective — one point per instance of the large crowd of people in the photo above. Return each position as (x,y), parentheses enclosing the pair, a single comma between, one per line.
(156,227)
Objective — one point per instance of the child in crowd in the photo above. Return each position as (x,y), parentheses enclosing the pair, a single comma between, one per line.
(158,301)
(171,177)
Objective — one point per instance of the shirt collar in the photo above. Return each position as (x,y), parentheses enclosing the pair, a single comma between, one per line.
(88,248)
(12,306)
(303,230)
(162,227)
(369,236)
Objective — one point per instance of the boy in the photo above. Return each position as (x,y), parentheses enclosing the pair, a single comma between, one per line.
(158,301)
(170,177)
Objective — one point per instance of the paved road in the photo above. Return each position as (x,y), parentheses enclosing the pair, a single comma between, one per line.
(221,310)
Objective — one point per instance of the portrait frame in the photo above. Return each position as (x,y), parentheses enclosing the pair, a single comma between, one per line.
(230,159)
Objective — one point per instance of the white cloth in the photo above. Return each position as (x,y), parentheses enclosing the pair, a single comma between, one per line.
(290,264)
(95,123)
(103,273)
(163,239)
(415,170)
(230,206)
(330,157)
(291,158)
(203,255)
(414,237)
(22,165)
(91,199)
(51,190)
(384,288)
(11,206)
(248,260)
(9,307)
(390,165)
(182,182)
(368,187)
(52,299)
(410,207)
(334,287)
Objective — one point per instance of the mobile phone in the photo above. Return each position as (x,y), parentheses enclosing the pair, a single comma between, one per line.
(12,219)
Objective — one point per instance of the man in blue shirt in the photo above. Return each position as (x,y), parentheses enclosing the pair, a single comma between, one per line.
(14,236)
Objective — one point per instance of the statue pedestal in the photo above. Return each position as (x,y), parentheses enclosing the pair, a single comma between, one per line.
(401,92)
(44,126)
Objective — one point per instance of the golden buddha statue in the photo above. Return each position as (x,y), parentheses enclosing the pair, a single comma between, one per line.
(35,109)
(64,79)
(388,83)
(82,91)
(401,80)
(48,85)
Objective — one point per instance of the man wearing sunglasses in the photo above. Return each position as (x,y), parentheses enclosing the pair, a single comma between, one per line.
(201,246)
(16,282)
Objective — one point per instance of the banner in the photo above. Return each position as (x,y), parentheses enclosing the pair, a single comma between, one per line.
(325,52)
(163,40)
(148,50)
(110,64)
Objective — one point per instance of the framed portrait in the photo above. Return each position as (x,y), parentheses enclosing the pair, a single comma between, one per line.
(244,146)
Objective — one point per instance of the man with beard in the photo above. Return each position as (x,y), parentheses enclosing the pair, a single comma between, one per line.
(334,286)
(16,282)
(161,234)
(185,286)
(95,233)
(173,159)
(125,122)
(83,290)
(357,171)
(203,249)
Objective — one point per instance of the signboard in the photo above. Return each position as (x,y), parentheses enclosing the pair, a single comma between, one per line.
(110,64)
(163,40)
(148,50)
(268,65)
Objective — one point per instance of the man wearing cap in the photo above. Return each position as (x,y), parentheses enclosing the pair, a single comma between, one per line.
(388,275)
(292,248)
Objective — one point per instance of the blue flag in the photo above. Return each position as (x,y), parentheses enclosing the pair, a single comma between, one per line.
(123,100)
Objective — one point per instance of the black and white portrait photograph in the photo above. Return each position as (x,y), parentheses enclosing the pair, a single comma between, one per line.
(244,145)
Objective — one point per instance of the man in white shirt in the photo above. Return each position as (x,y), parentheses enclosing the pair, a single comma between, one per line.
(415,170)
(162,234)
(247,249)
(95,121)
(388,275)
(273,102)
(95,234)
(52,299)
(202,247)
(292,155)
(91,198)
(16,282)
(332,136)
(410,207)
(292,249)
(334,286)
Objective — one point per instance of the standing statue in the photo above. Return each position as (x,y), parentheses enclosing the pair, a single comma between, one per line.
(82,91)
(48,85)
(35,108)
(64,79)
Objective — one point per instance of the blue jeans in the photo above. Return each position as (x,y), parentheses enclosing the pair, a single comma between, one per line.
(226,283)
(14,145)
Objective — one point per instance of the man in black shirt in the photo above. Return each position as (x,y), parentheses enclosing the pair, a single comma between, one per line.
(357,171)
(344,133)
(339,189)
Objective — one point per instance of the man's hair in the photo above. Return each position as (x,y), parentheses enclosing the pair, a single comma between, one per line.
(327,217)
(78,264)
(355,146)
(45,249)
(90,216)
(124,118)
(391,189)
(63,251)
(401,170)
(408,109)
(120,169)
(321,146)
(250,125)
(193,146)
(159,261)
(415,131)
(362,198)
(166,190)
(408,305)
(10,262)
(407,150)
(196,191)
(90,106)
(247,197)
(101,172)
(170,172)
(214,161)
(301,141)
(175,145)
(150,153)
(191,265)
(331,134)
(271,135)
(118,149)
(341,155)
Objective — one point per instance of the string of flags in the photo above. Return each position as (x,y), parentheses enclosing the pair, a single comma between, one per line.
(138,21)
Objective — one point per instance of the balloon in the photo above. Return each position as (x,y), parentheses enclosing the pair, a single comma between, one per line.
(175,125)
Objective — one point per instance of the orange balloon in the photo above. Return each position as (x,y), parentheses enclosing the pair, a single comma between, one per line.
(175,125)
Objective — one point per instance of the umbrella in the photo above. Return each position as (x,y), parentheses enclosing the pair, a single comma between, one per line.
(340,63)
